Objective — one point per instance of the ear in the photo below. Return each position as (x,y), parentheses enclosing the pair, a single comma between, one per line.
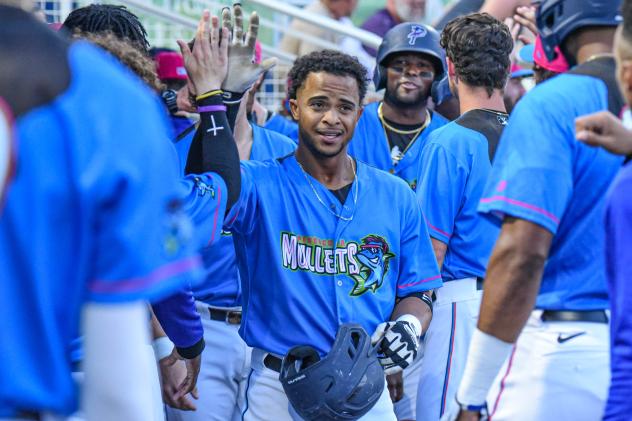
(360,111)
(451,68)
(626,76)
(294,109)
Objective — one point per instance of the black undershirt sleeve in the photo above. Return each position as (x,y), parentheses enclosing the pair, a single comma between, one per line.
(214,150)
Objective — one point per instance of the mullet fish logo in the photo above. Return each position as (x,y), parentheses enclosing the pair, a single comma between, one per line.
(366,263)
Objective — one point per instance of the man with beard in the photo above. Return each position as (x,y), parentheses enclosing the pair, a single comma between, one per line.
(391,134)
(453,170)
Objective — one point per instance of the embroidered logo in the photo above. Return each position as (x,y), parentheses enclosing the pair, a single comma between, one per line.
(416,31)
(366,263)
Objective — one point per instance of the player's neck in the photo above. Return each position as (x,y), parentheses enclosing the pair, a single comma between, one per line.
(332,172)
(406,116)
(593,50)
(477,98)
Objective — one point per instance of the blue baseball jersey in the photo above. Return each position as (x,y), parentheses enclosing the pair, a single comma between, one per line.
(543,175)
(370,144)
(90,216)
(305,271)
(222,287)
(619,271)
(285,126)
(453,170)
(182,143)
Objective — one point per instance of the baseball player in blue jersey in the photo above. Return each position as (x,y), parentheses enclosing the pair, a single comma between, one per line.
(604,129)
(541,343)
(107,233)
(453,170)
(312,256)
(391,134)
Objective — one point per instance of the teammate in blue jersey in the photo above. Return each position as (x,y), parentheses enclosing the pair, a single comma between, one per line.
(7,148)
(604,129)
(453,170)
(226,358)
(92,226)
(310,252)
(548,192)
(391,134)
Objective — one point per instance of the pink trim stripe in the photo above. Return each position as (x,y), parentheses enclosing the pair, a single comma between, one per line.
(438,230)
(446,383)
(219,201)
(523,205)
(419,282)
(502,383)
(136,284)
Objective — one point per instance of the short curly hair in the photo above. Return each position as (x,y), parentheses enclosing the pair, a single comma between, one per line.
(479,45)
(327,61)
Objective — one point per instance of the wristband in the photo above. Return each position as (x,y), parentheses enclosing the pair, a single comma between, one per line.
(414,321)
(163,347)
(211,108)
(208,94)
(486,356)
(231,98)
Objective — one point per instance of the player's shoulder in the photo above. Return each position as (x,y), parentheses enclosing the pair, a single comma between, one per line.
(381,180)
(272,140)
(454,137)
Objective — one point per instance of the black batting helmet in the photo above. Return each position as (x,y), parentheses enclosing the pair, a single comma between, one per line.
(557,19)
(409,37)
(344,385)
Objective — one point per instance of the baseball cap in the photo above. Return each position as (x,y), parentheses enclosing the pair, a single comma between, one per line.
(170,65)
(517,71)
(534,53)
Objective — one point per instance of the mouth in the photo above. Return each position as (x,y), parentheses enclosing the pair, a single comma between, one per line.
(409,86)
(330,136)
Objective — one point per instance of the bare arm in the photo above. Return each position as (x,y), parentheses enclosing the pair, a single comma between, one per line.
(440,248)
(501,9)
(416,307)
(513,278)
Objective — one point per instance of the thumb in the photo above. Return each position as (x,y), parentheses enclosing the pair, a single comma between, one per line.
(591,138)
(379,333)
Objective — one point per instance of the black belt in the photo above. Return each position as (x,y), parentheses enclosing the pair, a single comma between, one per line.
(29,415)
(479,283)
(593,316)
(232,317)
(273,363)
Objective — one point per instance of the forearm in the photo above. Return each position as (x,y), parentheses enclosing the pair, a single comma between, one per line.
(511,287)
(181,322)
(440,248)
(117,362)
(213,148)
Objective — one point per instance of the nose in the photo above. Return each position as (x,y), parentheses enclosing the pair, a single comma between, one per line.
(331,117)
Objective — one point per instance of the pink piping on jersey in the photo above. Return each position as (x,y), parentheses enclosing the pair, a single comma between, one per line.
(438,230)
(523,205)
(502,383)
(137,284)
(419,282)
(219,200)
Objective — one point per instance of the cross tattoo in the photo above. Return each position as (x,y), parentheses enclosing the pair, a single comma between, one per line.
(215,128)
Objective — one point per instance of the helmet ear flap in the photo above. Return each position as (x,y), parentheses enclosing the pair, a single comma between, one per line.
(379,77)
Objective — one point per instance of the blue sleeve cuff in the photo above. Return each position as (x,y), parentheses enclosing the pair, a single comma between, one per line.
(179,319)
(499,206)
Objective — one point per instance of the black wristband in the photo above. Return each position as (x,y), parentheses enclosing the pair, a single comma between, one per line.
(423,297)
(192,351)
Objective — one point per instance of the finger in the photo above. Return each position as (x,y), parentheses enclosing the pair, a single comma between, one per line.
(238,33)
(214,33)
(184,49)
(186,404)
(592,122)
(227,25)
(202,38)
(253,30)
(268,63)
(169,360)
(591,138)
(223,47)
(195,393)
(399,391)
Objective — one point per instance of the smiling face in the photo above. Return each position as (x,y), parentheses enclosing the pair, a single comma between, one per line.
(327,108)
(409,77)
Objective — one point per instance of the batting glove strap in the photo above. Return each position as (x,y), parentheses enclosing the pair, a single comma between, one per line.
(399,345)
(192,351)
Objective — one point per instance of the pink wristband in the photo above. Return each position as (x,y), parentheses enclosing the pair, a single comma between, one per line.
(210,108)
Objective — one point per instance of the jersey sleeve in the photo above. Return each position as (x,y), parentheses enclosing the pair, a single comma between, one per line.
(440,190)
(243,214)
(532,172)
(418,270)
(205,203)
(143,248)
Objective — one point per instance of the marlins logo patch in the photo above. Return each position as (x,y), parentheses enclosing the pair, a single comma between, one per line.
(416,31)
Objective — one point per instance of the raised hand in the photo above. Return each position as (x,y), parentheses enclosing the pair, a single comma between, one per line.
(242,71)
(207,61)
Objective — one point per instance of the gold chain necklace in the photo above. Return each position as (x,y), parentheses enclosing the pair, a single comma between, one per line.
(355,193)
(416,132)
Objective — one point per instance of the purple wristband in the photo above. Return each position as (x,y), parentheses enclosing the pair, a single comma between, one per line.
(210,108)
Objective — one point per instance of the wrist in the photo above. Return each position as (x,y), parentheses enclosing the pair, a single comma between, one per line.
(163,347)
(413,321)
(486,356)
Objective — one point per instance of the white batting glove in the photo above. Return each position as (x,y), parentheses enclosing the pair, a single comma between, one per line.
(399,342)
